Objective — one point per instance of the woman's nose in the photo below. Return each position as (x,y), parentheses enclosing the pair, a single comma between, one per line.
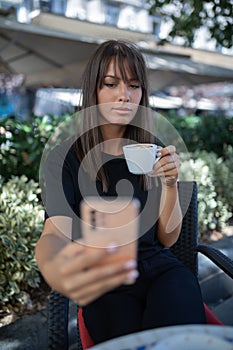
(124,93)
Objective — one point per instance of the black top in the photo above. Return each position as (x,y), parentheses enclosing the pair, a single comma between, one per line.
(66,183)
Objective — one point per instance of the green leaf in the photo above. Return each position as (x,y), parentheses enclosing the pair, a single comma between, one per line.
(7,241)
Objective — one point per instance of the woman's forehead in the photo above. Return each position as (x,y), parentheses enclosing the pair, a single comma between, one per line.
(119,69)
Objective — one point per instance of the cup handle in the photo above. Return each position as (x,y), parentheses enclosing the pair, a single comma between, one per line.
(158,158)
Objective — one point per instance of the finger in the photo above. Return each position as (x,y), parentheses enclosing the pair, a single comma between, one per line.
(98,280)
(168,158)
(166,167)
(168,150)
(94,290)
(100,273)
(169,167)
(87,258)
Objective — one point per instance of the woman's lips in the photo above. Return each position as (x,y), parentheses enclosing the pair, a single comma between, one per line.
(122,110)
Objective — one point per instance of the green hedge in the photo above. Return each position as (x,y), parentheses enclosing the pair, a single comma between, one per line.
(204,133)
(22,144)
(21,222)
(214,177)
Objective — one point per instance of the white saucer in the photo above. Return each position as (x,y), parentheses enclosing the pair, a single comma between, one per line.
(193,341)
(183,337)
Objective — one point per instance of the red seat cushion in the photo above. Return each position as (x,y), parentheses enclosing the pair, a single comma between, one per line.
(211,318)
(87,342)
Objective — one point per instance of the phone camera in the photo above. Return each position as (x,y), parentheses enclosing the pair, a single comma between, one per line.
(93,219)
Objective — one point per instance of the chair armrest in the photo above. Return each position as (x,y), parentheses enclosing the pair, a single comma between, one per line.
(58,321)
(216,256)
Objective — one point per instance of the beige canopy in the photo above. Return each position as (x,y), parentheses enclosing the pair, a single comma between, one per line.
(53,50)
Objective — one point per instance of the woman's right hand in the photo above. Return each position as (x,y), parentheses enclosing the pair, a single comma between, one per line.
(75,273)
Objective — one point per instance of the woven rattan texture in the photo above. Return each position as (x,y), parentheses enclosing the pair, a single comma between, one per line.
(185,247)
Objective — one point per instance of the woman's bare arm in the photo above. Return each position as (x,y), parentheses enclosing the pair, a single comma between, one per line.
(170,217)
(72,270)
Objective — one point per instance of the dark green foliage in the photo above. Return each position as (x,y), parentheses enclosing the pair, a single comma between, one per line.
(21,221)
(210,133)
(22,144)
(190,15)
(214,177)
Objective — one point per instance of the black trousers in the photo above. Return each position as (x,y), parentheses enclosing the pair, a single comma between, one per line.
(166,293)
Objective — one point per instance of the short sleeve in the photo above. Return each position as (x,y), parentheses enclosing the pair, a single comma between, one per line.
(58,192)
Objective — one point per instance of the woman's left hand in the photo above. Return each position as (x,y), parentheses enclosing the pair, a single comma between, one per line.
(167,168)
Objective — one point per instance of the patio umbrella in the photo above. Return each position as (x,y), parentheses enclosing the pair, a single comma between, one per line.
(53,51)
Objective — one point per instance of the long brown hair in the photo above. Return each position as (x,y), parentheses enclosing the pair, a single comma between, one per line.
(93,79)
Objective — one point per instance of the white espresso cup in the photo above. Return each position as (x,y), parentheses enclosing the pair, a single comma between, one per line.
(141,157)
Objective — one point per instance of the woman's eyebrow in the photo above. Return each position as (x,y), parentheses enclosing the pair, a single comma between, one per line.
(111,76)
(115,77)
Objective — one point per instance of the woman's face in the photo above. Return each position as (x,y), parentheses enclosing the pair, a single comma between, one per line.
(118,100)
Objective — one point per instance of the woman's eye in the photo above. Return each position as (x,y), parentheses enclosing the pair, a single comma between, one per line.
(135,86)
(110,85)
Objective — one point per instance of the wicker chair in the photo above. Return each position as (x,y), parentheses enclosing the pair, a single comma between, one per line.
(186,249)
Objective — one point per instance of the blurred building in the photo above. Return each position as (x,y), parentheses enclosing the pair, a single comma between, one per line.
(50,41)
(131,15)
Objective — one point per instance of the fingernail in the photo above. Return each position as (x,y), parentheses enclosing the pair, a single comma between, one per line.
(112,247)
(130,264)
(131,277)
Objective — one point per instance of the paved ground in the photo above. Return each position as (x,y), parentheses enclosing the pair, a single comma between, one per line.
(217,287)
(30,333)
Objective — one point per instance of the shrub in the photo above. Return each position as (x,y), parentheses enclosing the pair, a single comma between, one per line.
(22,144)
(228,161)
(208,132)
(214,181)
(21,221)
(221,174)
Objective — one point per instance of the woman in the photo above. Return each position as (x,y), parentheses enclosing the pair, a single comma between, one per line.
(156,290)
